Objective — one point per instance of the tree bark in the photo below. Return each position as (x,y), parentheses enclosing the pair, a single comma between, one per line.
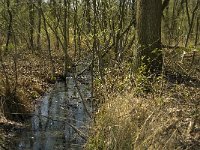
(148,20)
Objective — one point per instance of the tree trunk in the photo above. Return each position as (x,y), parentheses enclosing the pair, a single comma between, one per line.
(197,32)
(149,53)
(31,24)
(10,20)
(191,20)
(39,26)
(88,17)
(66,37)
(48,44)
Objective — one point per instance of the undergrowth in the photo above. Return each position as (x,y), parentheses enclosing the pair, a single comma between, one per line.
(165,117)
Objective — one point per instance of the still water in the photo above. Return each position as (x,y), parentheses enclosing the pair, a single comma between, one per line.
(60,120)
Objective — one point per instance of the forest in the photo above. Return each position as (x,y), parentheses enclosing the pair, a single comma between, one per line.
(100,74)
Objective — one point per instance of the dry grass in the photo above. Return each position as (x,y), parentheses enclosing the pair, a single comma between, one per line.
(127,122)
(166,118)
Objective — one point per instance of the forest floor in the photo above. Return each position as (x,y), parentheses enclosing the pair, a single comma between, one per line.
(34,78)
(167,117)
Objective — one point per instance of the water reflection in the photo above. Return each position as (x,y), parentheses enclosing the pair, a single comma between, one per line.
(60,121)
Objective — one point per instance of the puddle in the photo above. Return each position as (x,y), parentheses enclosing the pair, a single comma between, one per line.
(60,120)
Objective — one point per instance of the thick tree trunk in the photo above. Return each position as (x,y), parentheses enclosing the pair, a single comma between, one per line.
(148,21)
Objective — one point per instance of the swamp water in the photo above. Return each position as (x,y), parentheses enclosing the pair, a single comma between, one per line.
(60,120)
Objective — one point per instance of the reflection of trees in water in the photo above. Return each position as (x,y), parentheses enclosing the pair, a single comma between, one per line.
(60,118)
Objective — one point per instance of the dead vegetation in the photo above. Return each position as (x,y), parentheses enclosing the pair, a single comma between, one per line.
(30,79)
(167,117)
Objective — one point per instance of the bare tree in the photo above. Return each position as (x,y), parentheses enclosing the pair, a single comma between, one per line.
(9,28)
(191,19)
(39,26)
(31,24)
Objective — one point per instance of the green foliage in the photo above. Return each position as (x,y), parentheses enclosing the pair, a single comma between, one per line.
(141,80)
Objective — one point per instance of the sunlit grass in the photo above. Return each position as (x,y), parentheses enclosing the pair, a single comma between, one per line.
(166,117)
(127,122)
